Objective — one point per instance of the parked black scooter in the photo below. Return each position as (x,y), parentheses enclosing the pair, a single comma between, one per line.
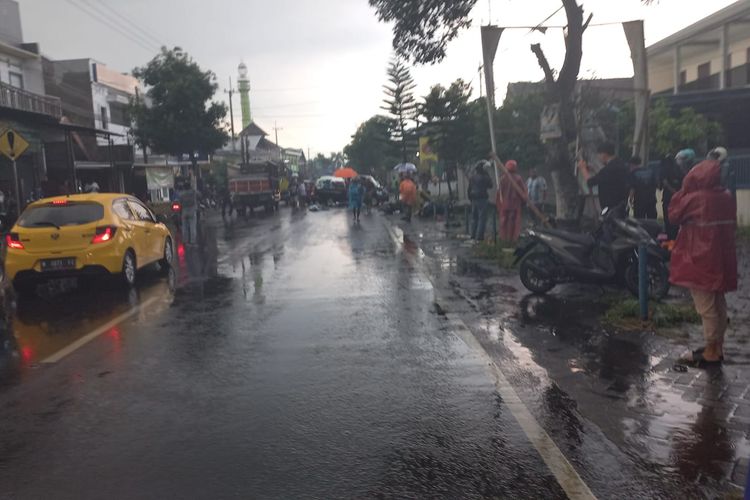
(609,255)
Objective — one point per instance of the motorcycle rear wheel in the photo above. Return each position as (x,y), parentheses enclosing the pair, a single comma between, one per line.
(531,278)
(658,278)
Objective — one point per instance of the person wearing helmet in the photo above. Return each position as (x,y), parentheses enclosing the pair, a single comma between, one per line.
(686,160)
(510,198)
(728,174)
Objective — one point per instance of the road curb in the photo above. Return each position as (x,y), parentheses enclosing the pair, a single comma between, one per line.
(565,473)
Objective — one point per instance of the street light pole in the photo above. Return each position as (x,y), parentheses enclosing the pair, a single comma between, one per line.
(18,192)
(276,129)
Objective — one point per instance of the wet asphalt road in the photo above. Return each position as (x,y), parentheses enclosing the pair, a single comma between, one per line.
(295,356)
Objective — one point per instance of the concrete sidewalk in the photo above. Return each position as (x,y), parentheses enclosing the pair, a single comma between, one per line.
(689,432)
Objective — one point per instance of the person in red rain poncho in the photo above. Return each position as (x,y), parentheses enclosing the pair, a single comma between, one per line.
(704,258)
(509,202)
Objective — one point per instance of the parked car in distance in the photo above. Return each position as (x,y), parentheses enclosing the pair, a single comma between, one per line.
(330,189)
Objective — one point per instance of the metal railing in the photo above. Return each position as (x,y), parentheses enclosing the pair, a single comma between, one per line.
(23,100)
(741,166)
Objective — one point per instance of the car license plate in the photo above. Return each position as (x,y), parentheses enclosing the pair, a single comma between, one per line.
(58,264)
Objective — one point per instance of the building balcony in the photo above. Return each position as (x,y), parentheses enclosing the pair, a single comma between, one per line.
(22,100)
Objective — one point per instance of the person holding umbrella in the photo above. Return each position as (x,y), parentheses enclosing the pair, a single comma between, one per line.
(408,194)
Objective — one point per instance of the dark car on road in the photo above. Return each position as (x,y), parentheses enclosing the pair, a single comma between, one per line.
(330,189)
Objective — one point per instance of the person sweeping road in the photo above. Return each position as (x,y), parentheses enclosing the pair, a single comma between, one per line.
(510,202)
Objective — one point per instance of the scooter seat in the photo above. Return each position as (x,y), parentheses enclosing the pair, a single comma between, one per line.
(580,238)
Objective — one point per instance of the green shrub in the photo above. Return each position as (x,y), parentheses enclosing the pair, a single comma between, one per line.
(502,253)
(627,314)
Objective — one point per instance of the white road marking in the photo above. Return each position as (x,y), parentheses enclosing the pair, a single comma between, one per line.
(567,477)
(66,351)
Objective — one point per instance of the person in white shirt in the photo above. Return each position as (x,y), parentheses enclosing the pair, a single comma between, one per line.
(537,188)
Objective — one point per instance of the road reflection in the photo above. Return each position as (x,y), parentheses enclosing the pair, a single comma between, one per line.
(31,330)
(40,327)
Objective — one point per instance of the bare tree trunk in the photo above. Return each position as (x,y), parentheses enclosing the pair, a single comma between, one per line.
(561,91)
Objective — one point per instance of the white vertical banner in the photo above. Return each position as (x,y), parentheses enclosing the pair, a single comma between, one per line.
(490,40)
(635,34)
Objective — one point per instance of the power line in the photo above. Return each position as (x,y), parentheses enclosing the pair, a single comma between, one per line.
(546,19)
(287,105)
(97,9)
(127,34)
(136,26)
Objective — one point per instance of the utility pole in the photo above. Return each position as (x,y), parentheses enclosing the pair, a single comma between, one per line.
(144,145)
(231,112)
(481,84)
(276,129)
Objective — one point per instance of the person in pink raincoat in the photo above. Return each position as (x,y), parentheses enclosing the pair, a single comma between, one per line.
(509,202)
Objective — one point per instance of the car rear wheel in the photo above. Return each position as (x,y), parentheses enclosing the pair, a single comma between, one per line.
(128,269)
(166,262)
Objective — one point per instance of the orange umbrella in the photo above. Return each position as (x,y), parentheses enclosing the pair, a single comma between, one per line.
(346,173)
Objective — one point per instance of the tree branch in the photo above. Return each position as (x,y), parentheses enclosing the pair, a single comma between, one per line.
(588,21)
(573,47)
(549,75)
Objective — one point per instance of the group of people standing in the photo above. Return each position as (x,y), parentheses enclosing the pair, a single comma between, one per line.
(634,184)
(512,195)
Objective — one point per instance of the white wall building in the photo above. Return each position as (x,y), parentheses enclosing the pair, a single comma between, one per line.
(712,54)
(92,94)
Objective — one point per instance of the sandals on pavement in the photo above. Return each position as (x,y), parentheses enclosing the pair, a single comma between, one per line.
(696,359)
(721,358)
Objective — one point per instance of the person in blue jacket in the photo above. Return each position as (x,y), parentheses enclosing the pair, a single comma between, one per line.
(356,197)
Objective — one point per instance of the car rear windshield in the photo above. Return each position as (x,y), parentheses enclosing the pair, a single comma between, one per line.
(71,214)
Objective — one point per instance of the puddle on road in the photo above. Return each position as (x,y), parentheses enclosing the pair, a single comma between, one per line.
(679,423)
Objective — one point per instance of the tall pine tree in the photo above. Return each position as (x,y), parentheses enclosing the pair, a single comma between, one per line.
(400,103)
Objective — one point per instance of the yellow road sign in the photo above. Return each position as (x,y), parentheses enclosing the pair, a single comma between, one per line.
(12,144)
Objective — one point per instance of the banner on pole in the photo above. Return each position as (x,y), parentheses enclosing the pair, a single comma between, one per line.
(159,178)
(634,33)
(490,40)
(426,152)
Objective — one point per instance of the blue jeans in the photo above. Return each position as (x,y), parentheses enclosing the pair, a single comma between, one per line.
(189,227)
(478,218)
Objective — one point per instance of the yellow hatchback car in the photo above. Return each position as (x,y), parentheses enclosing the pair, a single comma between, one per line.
(85,235)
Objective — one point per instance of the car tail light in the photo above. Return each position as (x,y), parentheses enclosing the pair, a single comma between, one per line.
(13,241)
(176,207)
(59,202)
(103,234)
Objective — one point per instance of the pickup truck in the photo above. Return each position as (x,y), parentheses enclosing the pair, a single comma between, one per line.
(256,186)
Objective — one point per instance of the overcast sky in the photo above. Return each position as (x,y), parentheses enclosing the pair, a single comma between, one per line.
(317,66)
